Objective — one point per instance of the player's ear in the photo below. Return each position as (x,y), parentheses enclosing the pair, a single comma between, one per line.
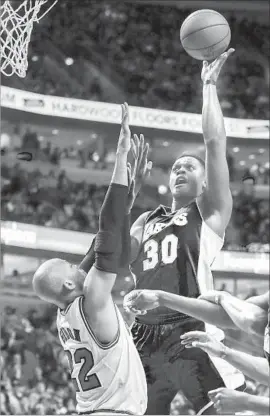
(68,286)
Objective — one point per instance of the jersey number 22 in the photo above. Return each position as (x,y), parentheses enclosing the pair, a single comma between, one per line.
(83,381)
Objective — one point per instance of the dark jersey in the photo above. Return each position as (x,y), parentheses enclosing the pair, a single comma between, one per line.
(176,253)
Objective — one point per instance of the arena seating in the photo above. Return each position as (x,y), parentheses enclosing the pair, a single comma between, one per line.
(137,51)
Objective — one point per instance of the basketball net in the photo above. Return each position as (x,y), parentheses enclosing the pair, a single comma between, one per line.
(16,28)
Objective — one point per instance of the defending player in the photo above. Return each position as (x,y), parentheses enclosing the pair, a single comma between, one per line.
(225,311)
(172,250)
(105,366)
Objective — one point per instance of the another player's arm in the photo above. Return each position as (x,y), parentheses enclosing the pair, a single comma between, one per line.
(216,201)
(199,309)
(258,404)
(101,278)
(254,367)
(250,315)
(143,300)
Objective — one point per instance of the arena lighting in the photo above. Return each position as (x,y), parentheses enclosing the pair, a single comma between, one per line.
(79,142)
(261,151)
(242,163)
(69,61)
(236,149)
(165,144)
(251,157)
(35,58)
(122,293)
(127,279)
(162,189)
(55,131)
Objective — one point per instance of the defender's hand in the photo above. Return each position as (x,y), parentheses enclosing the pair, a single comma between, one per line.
(200,339)
(124,141)
(227,401)
(210,72)
(139,301)
(139,170)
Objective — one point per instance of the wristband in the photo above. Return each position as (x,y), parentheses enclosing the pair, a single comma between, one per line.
(209,81)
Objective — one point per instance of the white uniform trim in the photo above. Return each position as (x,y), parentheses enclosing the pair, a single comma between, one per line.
(210,245)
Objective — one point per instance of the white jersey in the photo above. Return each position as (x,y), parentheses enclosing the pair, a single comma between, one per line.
(108,378)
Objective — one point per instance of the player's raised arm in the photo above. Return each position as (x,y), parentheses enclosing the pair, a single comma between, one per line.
(108,245)
(216,201)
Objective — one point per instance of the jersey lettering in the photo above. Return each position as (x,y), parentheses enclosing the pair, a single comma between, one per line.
(167,255)
(83,381)
(152,229)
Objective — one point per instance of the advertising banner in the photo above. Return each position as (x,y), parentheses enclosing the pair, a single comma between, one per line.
(111,113)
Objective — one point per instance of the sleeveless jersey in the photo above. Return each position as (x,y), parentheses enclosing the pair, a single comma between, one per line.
(108,378)
(266,339)
(177,249)
(176,254)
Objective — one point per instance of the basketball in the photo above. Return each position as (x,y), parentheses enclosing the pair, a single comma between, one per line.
(205,34)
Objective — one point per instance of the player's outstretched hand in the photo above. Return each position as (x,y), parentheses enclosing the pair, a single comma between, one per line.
(200,339)
(124,142)
(139,301)
(227,401)
(140,168)
(210,72)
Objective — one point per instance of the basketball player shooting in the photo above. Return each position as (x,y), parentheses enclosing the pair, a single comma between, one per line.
(105,366)
(172,250)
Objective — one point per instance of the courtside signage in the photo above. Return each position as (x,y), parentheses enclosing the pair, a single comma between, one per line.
(111,113)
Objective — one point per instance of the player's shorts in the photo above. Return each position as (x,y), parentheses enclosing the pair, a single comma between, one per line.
(171,367)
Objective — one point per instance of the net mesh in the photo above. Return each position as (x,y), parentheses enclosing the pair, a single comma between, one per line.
(16,28)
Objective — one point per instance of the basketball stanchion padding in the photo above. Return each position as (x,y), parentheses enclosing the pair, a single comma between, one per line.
(17,19)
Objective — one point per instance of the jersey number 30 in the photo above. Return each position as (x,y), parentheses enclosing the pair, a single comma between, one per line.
(83,381)
(167,255)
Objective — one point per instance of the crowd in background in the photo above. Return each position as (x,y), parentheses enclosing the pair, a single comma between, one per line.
(137,49)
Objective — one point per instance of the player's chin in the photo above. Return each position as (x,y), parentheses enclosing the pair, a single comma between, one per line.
(181,189)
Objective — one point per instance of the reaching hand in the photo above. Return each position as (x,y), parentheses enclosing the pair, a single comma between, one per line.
(210,72)
(139,301)
(140,169)
(200,339)
(227,401)
(124,142)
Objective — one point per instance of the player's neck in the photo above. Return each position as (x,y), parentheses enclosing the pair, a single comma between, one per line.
(179,203)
